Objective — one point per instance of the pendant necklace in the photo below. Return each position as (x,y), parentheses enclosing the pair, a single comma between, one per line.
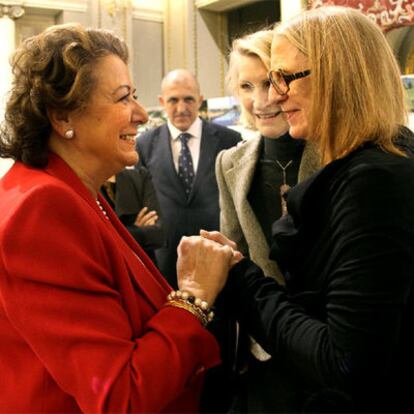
(285,186)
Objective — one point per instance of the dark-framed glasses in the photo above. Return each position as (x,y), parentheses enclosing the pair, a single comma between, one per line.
(280,81)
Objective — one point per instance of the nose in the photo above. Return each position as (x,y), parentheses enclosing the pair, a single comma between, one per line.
(181,106)
(261,98)
(276,97)
(139,114)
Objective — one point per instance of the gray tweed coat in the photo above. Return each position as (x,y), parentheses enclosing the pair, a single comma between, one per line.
(235,168)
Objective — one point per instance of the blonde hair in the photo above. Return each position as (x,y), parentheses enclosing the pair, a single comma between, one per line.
(357,92)
(256,44)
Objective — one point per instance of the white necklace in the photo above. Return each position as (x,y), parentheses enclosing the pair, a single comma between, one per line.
(285,186)
(102,209)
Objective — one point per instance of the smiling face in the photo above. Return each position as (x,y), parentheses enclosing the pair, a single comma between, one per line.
(253,92)
(181,100)
(296,104)
(105,130)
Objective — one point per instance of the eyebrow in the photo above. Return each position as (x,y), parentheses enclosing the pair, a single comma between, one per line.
(184,97)
(123,86)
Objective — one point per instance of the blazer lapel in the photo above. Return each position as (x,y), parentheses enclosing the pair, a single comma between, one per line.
(142,270)
(239,180)
(165,149)
(168,162)
(208,151)
(240,177)
(150,281)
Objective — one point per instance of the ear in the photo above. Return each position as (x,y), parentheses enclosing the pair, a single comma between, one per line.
(161,100)
(60,120)
(200,101)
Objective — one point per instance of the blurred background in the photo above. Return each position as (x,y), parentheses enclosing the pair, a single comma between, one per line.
(194,34)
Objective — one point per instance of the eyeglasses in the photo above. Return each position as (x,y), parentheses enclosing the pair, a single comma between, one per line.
(280,81)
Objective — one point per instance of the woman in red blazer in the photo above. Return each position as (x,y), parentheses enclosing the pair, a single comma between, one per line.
(85,324)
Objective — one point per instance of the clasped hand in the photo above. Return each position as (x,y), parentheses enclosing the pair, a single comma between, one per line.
(204,262)
(146,217)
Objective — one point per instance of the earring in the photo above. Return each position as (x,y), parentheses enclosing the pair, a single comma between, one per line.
(70,133)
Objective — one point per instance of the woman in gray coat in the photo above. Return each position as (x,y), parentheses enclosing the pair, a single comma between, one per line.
(253,175)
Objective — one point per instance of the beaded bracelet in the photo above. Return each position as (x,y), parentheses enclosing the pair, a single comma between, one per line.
(196,306)
(190,308)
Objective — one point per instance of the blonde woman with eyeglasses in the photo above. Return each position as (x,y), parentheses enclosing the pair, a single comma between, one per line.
(252,179)
(341,329)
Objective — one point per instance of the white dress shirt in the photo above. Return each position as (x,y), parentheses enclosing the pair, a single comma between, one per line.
(193,143)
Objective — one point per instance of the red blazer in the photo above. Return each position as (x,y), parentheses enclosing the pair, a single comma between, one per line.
(82,327)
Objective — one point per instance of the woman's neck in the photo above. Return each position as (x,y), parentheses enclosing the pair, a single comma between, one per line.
(282,148)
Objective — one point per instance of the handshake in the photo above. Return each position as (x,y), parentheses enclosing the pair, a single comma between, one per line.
(204,262)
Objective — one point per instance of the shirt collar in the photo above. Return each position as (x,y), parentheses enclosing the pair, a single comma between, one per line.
(194,130)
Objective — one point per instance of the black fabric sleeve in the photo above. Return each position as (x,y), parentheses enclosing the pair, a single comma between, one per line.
(135,191)
(365,292)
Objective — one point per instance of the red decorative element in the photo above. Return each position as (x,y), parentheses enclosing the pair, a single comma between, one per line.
(388,14)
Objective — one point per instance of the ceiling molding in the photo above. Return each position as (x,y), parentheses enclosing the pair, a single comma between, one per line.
(69,5)
(222,5)
(147,13)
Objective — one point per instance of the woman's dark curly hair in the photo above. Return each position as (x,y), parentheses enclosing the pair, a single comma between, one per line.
(53,70)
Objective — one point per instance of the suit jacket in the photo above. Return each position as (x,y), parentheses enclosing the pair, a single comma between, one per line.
(235,169)
(342,328)
(184,216)
(134,191)
(82,322)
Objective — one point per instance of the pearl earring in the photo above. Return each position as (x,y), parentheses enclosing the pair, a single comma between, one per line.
(70,133)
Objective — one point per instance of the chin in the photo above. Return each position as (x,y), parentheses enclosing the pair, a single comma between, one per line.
(182,127)
(298,133)
(272,133)
(131,160)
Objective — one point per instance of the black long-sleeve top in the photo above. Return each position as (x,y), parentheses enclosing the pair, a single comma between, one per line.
(343,327)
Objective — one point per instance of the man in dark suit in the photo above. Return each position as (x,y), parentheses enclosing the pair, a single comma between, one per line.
(180,156)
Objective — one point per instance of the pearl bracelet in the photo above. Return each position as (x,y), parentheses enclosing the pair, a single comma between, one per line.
(196,306)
